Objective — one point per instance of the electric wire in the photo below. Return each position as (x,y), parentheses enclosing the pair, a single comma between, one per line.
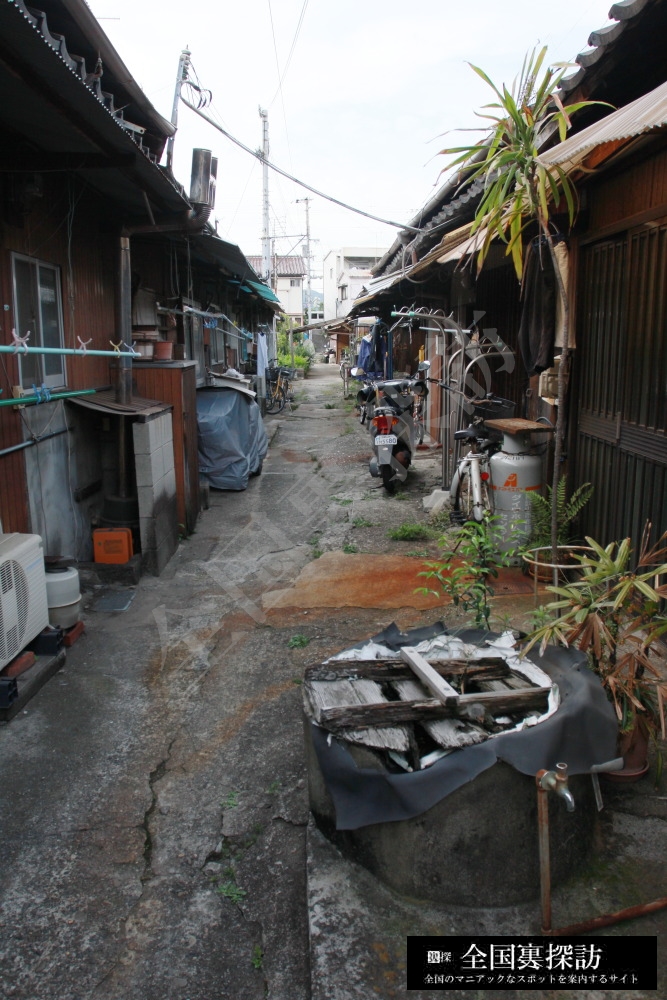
(290,177)
(280,82)
(291,51)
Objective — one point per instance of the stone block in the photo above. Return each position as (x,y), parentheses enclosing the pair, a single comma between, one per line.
(436,501)
(146,497)
(167,457)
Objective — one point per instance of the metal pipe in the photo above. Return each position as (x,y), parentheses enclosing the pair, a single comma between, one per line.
(545,858)
(607,919)
(78,351)
(33,441)
(30,400)
(124,387)
(548,781)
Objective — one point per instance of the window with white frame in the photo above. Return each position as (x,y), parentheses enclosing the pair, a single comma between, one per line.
(38,311)
(295,282)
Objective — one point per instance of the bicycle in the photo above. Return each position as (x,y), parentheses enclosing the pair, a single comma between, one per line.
(278,387)
(345,375)
(418,418)
(469,493)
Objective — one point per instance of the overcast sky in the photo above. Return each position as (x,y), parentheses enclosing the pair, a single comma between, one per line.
(370,88)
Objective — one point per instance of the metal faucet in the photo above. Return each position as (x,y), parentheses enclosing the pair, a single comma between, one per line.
(556,781)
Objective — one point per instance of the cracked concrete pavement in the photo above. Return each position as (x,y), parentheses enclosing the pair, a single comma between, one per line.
(153,800)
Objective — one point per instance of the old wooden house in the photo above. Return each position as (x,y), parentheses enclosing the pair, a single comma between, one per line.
(617,398)
(100,248)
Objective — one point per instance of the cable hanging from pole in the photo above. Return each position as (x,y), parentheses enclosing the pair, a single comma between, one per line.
(290,177)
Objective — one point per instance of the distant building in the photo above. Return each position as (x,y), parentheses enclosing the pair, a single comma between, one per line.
(287,274)
(345,272)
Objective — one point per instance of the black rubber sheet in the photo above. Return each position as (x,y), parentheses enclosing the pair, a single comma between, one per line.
(582,733)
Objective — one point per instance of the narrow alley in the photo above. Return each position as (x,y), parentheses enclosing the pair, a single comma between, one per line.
(156,823)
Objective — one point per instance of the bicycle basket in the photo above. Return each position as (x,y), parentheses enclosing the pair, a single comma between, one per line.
(493,409)
(272,374)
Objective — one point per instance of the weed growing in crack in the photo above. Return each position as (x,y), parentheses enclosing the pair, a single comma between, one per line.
(317,553)
(349,548)
(273,788)
(229,889)
(230,801)
(342,501)
(298,642)
(410,532)
(361,522)
(257,957)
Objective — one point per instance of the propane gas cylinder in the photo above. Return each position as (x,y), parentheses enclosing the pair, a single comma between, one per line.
(515,473)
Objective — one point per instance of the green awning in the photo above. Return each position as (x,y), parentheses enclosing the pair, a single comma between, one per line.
(264,291)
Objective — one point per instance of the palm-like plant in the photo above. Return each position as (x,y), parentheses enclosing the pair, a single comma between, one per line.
(521,191)
(610,614)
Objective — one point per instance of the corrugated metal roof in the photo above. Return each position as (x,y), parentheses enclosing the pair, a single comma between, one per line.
(283,267)
(449,200)
(646,113)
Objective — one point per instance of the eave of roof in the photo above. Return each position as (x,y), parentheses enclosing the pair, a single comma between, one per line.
(646,113)
(446,204)
(48,104)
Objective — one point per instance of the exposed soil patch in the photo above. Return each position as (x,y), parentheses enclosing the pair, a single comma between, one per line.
(341,580)
(295,456)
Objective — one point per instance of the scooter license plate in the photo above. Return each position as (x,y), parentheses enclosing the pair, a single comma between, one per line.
(384,439)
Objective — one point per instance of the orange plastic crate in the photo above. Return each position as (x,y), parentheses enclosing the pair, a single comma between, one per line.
(112,545)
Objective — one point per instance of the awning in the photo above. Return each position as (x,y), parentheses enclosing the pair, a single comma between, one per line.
(263,290)
(453,246)
(643,115)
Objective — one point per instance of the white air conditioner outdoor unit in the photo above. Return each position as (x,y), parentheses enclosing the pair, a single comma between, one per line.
(24,610)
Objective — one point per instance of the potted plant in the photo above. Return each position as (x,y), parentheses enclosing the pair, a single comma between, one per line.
(539,556)
(611,613)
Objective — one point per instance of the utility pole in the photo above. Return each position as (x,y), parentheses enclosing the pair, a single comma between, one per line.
(266,236)
(308,300)
(266,251)
(181,77)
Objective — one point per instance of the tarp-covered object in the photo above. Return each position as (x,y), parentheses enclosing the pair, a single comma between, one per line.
(583,733)
(231,437)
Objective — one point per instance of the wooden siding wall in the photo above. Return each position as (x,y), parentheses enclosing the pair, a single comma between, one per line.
(70,228)
(619,387)
(176,384)
(617,200)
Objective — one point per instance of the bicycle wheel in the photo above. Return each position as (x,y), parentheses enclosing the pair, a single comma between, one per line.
(280,398)
(271,396)
(469,494)
(419,430)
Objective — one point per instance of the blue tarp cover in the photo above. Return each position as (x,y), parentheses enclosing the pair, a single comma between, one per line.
(231,437)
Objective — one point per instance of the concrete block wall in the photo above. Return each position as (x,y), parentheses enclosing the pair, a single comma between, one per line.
(156,490)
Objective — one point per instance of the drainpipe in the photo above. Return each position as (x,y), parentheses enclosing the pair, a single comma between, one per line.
(124,385)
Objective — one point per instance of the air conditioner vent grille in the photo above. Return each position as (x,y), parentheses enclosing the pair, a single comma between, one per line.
(13,608)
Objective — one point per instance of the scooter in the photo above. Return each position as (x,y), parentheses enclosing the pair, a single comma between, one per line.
(390,406)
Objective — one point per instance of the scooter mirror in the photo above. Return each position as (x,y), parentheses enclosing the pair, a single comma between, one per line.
(423,366)
(356,372)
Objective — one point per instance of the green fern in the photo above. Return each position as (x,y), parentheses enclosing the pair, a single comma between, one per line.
(566,512)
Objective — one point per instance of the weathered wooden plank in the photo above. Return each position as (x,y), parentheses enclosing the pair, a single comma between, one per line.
(389,713)
(503,702)
(398,670)
(344,695)
(385,713)
(436,684)
(447,733)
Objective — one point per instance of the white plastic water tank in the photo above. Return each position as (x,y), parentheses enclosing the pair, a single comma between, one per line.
(63,596)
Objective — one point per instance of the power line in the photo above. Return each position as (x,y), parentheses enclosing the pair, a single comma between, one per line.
(308,187)
(291,51)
